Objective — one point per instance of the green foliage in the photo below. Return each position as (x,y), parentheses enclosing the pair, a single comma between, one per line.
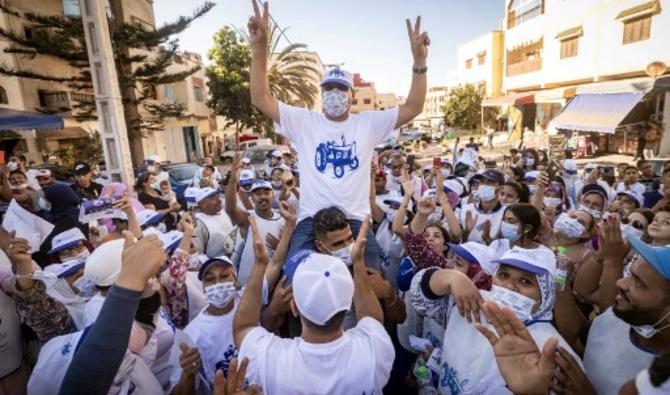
(463,109)
(87,149)
(293,76)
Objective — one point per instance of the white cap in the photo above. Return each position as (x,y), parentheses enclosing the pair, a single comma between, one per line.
(531,175)
(633,195)
(277,153)
(43,173)
(65,240)
(190,193)
(261,184)
(454,186)
(477,253)
(170,239)
(204,193)
(337,76)
(590,166)
(246,160)
(153,158)
(570,165)
(104,264)
(322,286)
(247,177)
(536,260)
(148,216)
(66,268)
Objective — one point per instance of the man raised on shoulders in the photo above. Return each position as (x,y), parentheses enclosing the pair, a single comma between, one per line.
(334,148)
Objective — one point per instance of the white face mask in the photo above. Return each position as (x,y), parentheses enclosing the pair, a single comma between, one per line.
(569,227)
(85,286)
(510,231)
(12,166)
(344,254)
(532,188)
(530,162)
(486,193)
(446,173)
(649,331)
(19,186)
(335,102)
(595,213)
(551,202)
(521,305)
(220,294)
(277,183)
(82,256)
(627,231)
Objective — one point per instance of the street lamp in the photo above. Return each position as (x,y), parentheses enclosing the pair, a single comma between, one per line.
(655,69)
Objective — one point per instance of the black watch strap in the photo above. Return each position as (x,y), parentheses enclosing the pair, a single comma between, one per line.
(419,70)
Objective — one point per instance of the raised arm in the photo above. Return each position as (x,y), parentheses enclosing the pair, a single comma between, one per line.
(290,216)
(417,92)
(398,226)
(261,97)
(249,310)
(366,303)
(237,215)
(447,211)
(133,224)
(377,212)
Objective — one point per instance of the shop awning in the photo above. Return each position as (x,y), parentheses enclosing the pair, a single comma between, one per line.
(558,95)
(24,120)
(513,99)
(596,112)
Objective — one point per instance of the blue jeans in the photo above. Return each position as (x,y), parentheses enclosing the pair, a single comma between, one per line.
(303,239)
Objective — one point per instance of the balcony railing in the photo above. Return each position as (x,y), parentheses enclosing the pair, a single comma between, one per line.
(527,66)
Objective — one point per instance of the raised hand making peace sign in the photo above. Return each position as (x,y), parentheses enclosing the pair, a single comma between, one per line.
(259,25)
(419,42)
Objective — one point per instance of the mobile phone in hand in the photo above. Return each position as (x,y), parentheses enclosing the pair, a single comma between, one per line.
(410,162)
(437,162)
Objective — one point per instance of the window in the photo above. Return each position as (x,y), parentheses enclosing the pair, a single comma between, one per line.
(169,92)
(525,59)
(366,101)
(468,64)
(28,33)
(638,29)
(481,57)
(520,11)
(569,47)
(3,96)
(53,100)
(199,94)
(82,97)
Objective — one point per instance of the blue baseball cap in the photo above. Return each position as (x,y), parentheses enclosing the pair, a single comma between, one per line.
(406,273)
(66,239)
(219,260)
(294,261)
(657,257)
(494,175)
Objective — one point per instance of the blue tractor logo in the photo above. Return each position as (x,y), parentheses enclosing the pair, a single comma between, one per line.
(338,155)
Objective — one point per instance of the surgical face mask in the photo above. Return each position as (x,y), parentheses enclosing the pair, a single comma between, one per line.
(595,213)
(277,183)
(649,331)
(12,166)
(82,256)
(510,231)
(335,102)
(521,305)
(569,227)
(446,173)
(19,186)
(486,193)
(220,294)
(344,254)
(627,231)
(551,202)
(85,286)
(532,188)
(530,162)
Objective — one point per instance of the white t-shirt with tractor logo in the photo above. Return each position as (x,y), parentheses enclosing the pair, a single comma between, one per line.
(334,158)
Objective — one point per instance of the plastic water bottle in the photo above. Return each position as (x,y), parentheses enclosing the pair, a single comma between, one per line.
(424,379)
(561,267)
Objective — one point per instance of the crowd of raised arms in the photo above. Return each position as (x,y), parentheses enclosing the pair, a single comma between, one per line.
(339,267)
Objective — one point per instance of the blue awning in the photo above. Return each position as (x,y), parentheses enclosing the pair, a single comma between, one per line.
(24,120)
(596,112)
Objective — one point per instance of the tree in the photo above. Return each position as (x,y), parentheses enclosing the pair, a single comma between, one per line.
(87,149)
(293,75)
(463,108)
(142,56)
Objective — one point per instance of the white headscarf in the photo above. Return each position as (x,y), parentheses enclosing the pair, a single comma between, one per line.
(104,264)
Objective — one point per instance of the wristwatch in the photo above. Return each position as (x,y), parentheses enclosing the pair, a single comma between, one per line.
(420,70)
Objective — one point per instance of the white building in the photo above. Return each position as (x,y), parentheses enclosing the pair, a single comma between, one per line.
(480,62)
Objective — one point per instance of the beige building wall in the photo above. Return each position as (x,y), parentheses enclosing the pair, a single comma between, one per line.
(432,115)
(480,61)
(365,99)
(386,101)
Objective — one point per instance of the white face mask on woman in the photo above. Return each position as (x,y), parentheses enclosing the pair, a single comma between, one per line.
(220,294)
(569,227)
(551,202)
(344,254)
(335,102)
(510,231)
(486,193)
(521,305)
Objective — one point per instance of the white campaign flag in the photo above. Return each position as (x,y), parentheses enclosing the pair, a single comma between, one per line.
(26,225)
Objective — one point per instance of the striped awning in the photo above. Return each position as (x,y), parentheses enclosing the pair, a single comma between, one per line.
(596,112)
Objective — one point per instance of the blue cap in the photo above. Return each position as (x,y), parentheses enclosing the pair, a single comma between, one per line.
(494,175)
(462,252)
(406,273)
(657,257)
(219,260)
(294,261)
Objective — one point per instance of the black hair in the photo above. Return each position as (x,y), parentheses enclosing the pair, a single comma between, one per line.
(210,167)
(141,180)
(329,219)
(641,162)
(519,173)
(659,371)
(445,233)
(22,158)
(630,167)
(520,191)
(528,216)
(533,153)
(18,171)
(568,154)
(330,326)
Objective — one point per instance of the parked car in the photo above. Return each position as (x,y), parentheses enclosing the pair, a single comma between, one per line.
(181,176)
(259,153)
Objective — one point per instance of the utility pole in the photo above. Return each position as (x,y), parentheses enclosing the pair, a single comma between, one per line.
(111,120)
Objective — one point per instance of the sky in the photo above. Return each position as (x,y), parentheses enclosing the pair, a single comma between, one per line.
(368,36)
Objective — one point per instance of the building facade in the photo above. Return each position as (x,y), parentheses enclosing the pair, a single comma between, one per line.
(365,95)
(432,116)
(480,62)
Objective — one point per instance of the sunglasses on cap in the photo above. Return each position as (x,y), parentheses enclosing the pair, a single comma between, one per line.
(331,86)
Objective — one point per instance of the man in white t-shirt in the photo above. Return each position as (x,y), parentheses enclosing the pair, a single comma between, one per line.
(214,231)
(325,359)
(269,221)
(481,220)
(394,181)
(630,181)
(334,148)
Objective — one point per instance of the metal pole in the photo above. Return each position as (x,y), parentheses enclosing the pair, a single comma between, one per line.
(111,119)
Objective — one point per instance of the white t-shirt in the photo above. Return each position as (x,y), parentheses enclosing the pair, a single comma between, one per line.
(610,357)
(477,232)
(638,188)
(334,158)
(247,256)
(359,362)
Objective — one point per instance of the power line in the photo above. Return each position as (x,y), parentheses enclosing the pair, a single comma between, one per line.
(281,31)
